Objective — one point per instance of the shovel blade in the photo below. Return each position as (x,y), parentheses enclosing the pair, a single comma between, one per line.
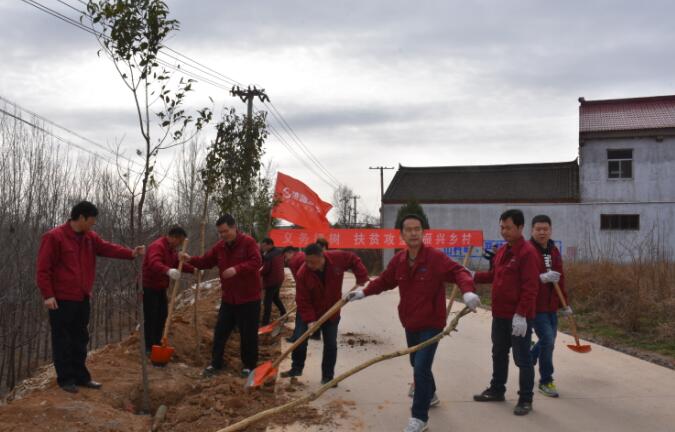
(161,355)
(582,349)
(269,328)
(260,375)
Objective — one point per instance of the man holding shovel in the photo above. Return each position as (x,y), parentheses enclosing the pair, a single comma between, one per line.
(546,321)
(160,266)
(421,273)
(238,259)
(272,278)
(66,268)
(294,259)
(319,287)
(515,285)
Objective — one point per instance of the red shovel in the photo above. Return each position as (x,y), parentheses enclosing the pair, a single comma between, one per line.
(573,326)
(269,370)
(274,328)
(161,354)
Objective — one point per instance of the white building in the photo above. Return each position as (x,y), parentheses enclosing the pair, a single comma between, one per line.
(616,200)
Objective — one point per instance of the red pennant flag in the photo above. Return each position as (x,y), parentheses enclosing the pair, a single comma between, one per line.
(299,204)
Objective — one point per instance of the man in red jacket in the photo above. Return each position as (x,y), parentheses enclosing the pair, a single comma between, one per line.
(515,285)
(238,259)
(160,266)
(272,277)
(319,287)
(421,273)
(66,268)
(546,322)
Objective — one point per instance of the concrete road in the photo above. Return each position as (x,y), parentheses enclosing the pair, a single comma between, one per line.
(601,391)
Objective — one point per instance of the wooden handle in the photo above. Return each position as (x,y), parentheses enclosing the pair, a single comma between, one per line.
(570,318)
(455,288)
(167,324)
(317,325)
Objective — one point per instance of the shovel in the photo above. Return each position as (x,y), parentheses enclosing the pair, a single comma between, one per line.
(573,326)
(274,328)
(269,370)
(161,354)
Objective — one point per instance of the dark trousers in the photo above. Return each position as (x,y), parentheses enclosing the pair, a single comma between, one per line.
(546,328)
(421,361)
(502,341)
(154,316)
(69,341)
(245,317)
(272,295)
(329,330)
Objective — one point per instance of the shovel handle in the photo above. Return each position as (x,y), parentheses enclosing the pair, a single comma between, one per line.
(317,325)
(455,288)
(570,318)
(167,323)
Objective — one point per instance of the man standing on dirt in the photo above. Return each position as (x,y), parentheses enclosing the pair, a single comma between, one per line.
(546,321)
(66,268)
(515,284)
(238,259)
(421,272)
(160,266)
(319,287)
(272,277)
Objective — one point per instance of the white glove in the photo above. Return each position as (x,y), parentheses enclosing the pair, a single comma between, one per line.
(550,277)
(566,311)
(173,274)
(355,295)
(519,325)
(471,300)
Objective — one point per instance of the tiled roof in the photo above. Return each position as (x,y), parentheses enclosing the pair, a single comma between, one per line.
(626,114)
(545,182)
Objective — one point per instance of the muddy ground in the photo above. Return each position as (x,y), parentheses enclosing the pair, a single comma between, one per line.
(194,403)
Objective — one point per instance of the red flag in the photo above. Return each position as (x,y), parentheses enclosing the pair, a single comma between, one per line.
(299,204)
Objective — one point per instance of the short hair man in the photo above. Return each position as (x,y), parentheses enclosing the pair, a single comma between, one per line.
(238,260)
(546,321)
(420,272)
(160,266)
(66,268)
(272,277)
(319,287)
(515,285)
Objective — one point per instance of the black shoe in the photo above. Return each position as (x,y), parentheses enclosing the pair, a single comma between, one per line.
(523,408)
(291,373)
(210,371)
(92,385)
(325,381)
(290,339)
(489,395)
(70,388)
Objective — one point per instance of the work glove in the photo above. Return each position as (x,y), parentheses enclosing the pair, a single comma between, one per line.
(566,311)
(173,274)
(354,295)
(519,325)
(550,277)
(471,300)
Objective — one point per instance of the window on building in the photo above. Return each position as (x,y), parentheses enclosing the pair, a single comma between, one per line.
(620,164)
(622,222)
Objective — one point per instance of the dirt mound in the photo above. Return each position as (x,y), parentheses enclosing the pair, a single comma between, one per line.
(194,403)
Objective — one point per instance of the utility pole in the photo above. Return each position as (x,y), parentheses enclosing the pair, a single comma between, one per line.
(381,168)
(247,95)
(355,197)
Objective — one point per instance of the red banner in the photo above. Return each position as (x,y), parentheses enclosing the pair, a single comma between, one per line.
(299,204)
(375,238)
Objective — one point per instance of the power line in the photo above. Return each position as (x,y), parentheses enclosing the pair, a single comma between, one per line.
(215,75)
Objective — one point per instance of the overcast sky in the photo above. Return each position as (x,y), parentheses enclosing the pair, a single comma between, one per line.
(370,82)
